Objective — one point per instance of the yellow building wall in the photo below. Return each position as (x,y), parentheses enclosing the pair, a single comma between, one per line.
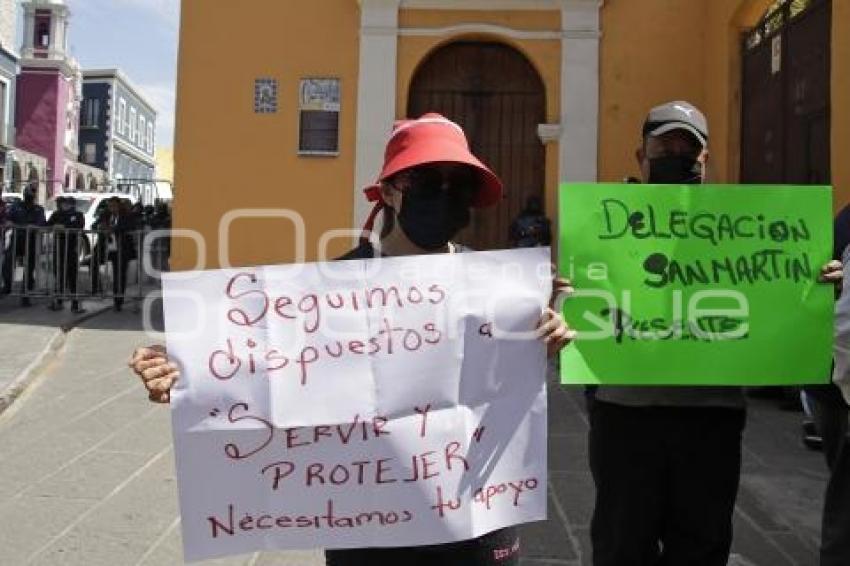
(544,54)
(227,157)
(692,50)
(841,101)
(651,52)
(165,164)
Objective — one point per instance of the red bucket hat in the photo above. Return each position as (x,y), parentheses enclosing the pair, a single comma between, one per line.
(432,138)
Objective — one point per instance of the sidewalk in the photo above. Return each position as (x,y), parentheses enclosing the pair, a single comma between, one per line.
(30,336)
(33,335)
(87,473)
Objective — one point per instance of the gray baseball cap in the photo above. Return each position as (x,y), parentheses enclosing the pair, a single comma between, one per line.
(676,115)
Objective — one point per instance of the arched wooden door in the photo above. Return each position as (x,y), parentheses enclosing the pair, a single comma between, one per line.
(498,97)
(786,95)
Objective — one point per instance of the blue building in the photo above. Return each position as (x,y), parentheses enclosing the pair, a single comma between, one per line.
(117,126)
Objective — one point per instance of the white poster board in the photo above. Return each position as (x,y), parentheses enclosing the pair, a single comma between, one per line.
(364,403)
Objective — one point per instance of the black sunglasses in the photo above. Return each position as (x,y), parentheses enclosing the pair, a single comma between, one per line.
(431,181)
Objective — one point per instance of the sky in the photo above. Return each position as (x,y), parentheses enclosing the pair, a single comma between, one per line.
(137,36)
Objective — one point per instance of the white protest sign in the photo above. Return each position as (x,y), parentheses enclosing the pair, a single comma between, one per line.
(383,402)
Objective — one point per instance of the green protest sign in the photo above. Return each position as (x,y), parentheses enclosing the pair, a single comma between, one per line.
(696,285)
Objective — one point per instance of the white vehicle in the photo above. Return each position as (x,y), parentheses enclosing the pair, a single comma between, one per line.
(11,198)
(91,205)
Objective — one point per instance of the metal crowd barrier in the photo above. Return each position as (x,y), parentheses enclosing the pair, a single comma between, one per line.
(72,264)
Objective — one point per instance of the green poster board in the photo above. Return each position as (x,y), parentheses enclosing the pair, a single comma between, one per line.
(696,285)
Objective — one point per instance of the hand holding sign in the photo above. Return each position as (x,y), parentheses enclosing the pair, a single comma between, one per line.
(833,272)
(158,375)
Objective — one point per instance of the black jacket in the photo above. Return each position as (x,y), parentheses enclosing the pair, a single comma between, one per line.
(842,233)
(67,241)
(23,215)
(830,394)
(121,229)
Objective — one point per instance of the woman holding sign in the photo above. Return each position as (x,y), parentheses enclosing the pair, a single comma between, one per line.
(429,182)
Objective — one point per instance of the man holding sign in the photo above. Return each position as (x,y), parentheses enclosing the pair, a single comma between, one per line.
(666,455)
(370,332)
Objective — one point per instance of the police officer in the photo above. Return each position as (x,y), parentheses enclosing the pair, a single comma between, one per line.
(23,216)
(66,220)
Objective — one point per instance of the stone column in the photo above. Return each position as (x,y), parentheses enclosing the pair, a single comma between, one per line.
(579,90)
(376,95)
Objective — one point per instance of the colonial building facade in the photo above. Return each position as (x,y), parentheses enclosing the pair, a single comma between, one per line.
(548,91)
(18,167)
(117,126)
(49,92)
(8,76)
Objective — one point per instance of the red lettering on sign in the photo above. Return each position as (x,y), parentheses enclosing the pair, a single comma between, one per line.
(292,438)
(438,295)
(384,295)
(321,431)
(486,495)
(280,304)
(451,453)
(220,356)
(309,306)
(274,356)
(326,519)
(382,469)
(442,506)
(314,472)
(423,413)
(241,317)
(305,360)
(282,470)
(232,450)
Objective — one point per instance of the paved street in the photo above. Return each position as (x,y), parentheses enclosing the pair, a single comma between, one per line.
(38,326)
(87,472)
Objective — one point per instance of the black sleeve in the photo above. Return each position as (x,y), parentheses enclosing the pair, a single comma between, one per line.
(77,221)
(547,232)
(124,224)
(40,219)
(513,231)
(363,251)
(842,232)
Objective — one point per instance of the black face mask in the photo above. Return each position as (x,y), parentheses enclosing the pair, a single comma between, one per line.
(675,170)
(431,221)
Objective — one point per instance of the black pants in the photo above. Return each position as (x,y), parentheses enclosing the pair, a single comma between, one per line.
(499,548)
(831,419)
(9,263)
(66,267)
(119,275)
(666,483)
(119,263)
